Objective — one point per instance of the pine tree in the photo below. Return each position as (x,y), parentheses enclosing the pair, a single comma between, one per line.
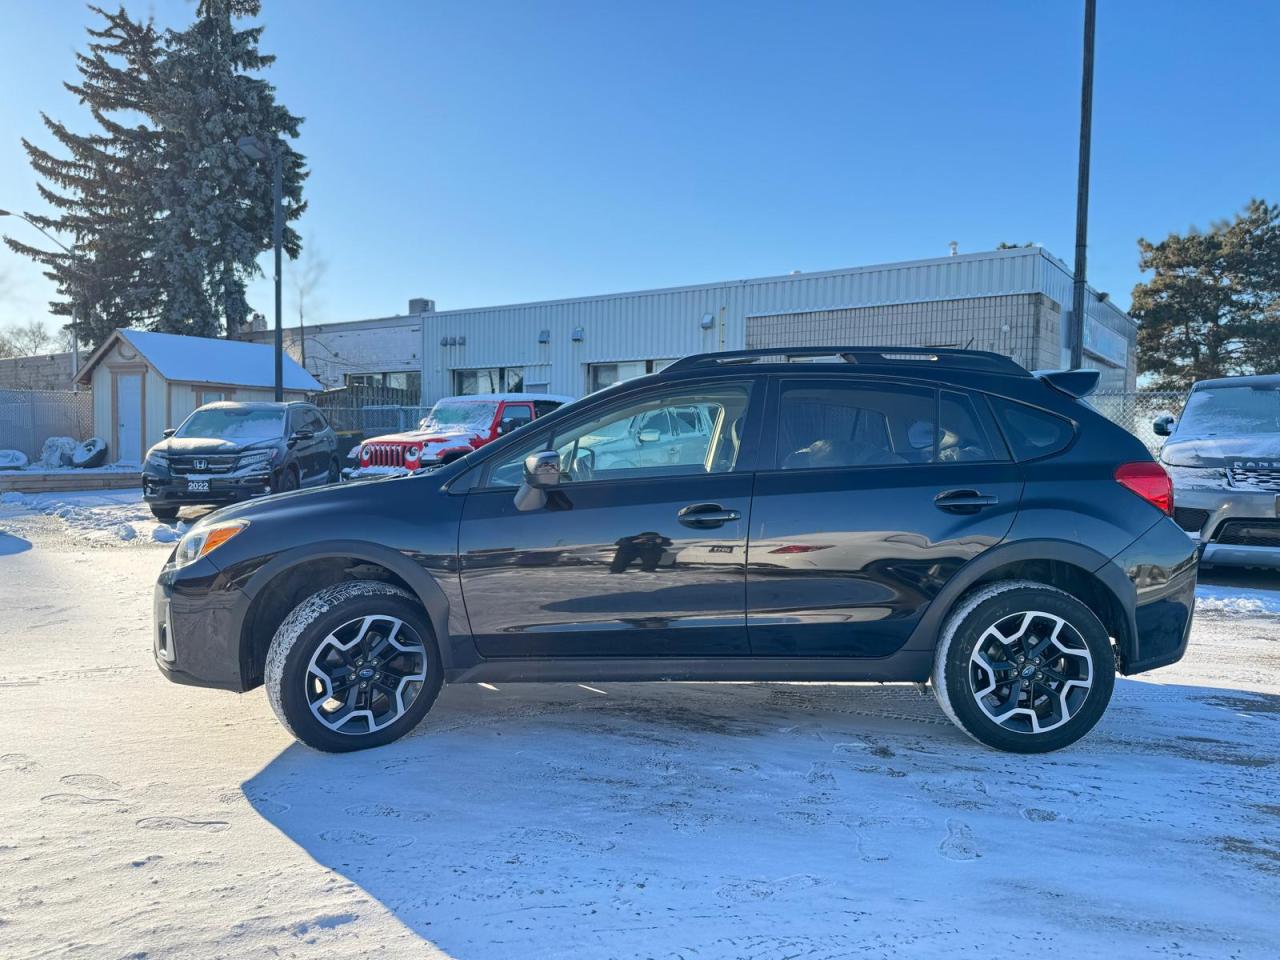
(98,188)
(217,202)
(1212,308)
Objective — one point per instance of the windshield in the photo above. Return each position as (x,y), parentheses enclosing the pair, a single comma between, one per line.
(452,414)
(1231,411)
(234,423)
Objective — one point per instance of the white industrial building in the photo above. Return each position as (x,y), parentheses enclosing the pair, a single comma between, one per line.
(1015,302)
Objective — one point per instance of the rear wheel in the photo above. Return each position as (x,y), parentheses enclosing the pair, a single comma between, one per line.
(335,471)
(353,666)
(1023,666)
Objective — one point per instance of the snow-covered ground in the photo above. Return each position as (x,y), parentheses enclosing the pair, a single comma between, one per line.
(143,819)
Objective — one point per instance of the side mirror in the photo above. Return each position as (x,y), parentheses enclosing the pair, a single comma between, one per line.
(542,470)
(1163,426)
(301,435)
(541,473)
(168,432)
(649,436)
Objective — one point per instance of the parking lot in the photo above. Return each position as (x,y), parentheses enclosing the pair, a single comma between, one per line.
(143,819)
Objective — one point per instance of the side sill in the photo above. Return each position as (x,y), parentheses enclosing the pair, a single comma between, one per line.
(905,666)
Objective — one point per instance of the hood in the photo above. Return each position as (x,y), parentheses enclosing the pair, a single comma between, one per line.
(425,436)
(338,497)
(1222,451)
(185,446)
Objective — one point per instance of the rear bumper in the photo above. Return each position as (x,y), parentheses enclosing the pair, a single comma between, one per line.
(1161,568)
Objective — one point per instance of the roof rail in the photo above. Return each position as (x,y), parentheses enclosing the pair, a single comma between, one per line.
(949,357)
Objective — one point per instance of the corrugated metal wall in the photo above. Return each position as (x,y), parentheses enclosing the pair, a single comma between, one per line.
(660,324)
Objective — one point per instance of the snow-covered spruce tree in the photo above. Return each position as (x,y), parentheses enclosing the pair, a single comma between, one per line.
(99,187)
(216,202)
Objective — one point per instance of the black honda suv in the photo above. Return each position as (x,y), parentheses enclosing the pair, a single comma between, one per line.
(227,451)
(872,514)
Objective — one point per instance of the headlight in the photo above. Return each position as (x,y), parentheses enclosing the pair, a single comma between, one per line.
(257,458)
(412,453)
(196,543)
(159,459)
(364,453)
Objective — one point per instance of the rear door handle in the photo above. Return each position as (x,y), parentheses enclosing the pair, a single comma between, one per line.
(705,515)
(963,501)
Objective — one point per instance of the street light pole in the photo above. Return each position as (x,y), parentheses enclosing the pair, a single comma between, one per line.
(77,303)
(1082,190)
(256,149)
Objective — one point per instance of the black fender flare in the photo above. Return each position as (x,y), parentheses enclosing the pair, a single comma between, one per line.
(420,581)
(1090,561)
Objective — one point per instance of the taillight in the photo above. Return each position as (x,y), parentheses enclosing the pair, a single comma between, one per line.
(1148,480)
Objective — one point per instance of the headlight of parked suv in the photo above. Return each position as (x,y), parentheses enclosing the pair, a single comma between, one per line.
(159,459)
(196,543)
(258,458)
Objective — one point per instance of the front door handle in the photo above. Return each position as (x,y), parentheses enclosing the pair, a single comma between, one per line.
(963,501)
(706,515)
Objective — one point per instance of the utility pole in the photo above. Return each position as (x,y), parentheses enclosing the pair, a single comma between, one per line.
(1082,191)
(256,149)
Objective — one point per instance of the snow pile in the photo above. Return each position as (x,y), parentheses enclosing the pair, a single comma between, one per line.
(57,452)
(99,517)
(1237,601)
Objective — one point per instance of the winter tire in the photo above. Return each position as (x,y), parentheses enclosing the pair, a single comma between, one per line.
(91,453)
(164,513)
(335,471)
(353,666)
(288,480)
(1023,667)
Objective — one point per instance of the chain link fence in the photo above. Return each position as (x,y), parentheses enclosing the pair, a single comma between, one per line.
(1135,410)
(29,417)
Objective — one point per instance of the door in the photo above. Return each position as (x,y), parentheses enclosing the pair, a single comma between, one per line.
(311,452)
(880,492)
(128,414)
(627,558)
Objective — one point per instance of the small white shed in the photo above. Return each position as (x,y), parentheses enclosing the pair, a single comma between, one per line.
(144,382)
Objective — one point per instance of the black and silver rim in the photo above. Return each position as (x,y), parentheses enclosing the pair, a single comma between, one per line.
(1031,672)
(366,674)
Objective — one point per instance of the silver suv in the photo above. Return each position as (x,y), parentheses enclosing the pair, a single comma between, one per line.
(1224,457)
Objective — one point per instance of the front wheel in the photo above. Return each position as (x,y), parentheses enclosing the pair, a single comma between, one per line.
(1024,667)
(353,666)
(164,513)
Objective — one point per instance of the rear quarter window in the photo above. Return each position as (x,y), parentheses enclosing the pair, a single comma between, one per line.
(1030,431)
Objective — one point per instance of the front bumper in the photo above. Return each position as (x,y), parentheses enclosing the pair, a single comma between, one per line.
(1206,513)
(196,633)
(222,488)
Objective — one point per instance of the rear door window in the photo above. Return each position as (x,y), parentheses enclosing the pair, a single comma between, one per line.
(1031,432)
(824,424)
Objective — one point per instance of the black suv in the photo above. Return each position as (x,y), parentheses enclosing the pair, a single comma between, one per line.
(226,452)
(873,514)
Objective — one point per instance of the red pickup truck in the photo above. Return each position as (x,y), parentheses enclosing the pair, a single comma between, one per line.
(454,427)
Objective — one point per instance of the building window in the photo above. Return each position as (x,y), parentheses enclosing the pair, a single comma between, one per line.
(601,375)
(488,380)
(211,396)
(408,381)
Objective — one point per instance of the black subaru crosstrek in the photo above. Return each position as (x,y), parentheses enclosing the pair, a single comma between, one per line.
(888,515)
(229,451)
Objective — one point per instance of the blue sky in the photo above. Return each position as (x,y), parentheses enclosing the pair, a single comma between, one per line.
(494,152)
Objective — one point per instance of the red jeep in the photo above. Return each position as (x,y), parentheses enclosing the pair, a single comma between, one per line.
(454,427)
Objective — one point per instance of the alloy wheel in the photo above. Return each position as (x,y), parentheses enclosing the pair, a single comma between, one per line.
(1030,672)
(366,674)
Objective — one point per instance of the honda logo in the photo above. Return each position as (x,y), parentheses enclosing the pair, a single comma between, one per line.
(200,464)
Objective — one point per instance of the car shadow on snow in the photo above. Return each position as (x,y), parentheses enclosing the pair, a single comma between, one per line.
(10,545)
(767,818)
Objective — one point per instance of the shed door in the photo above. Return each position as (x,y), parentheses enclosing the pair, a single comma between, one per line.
(128,415)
